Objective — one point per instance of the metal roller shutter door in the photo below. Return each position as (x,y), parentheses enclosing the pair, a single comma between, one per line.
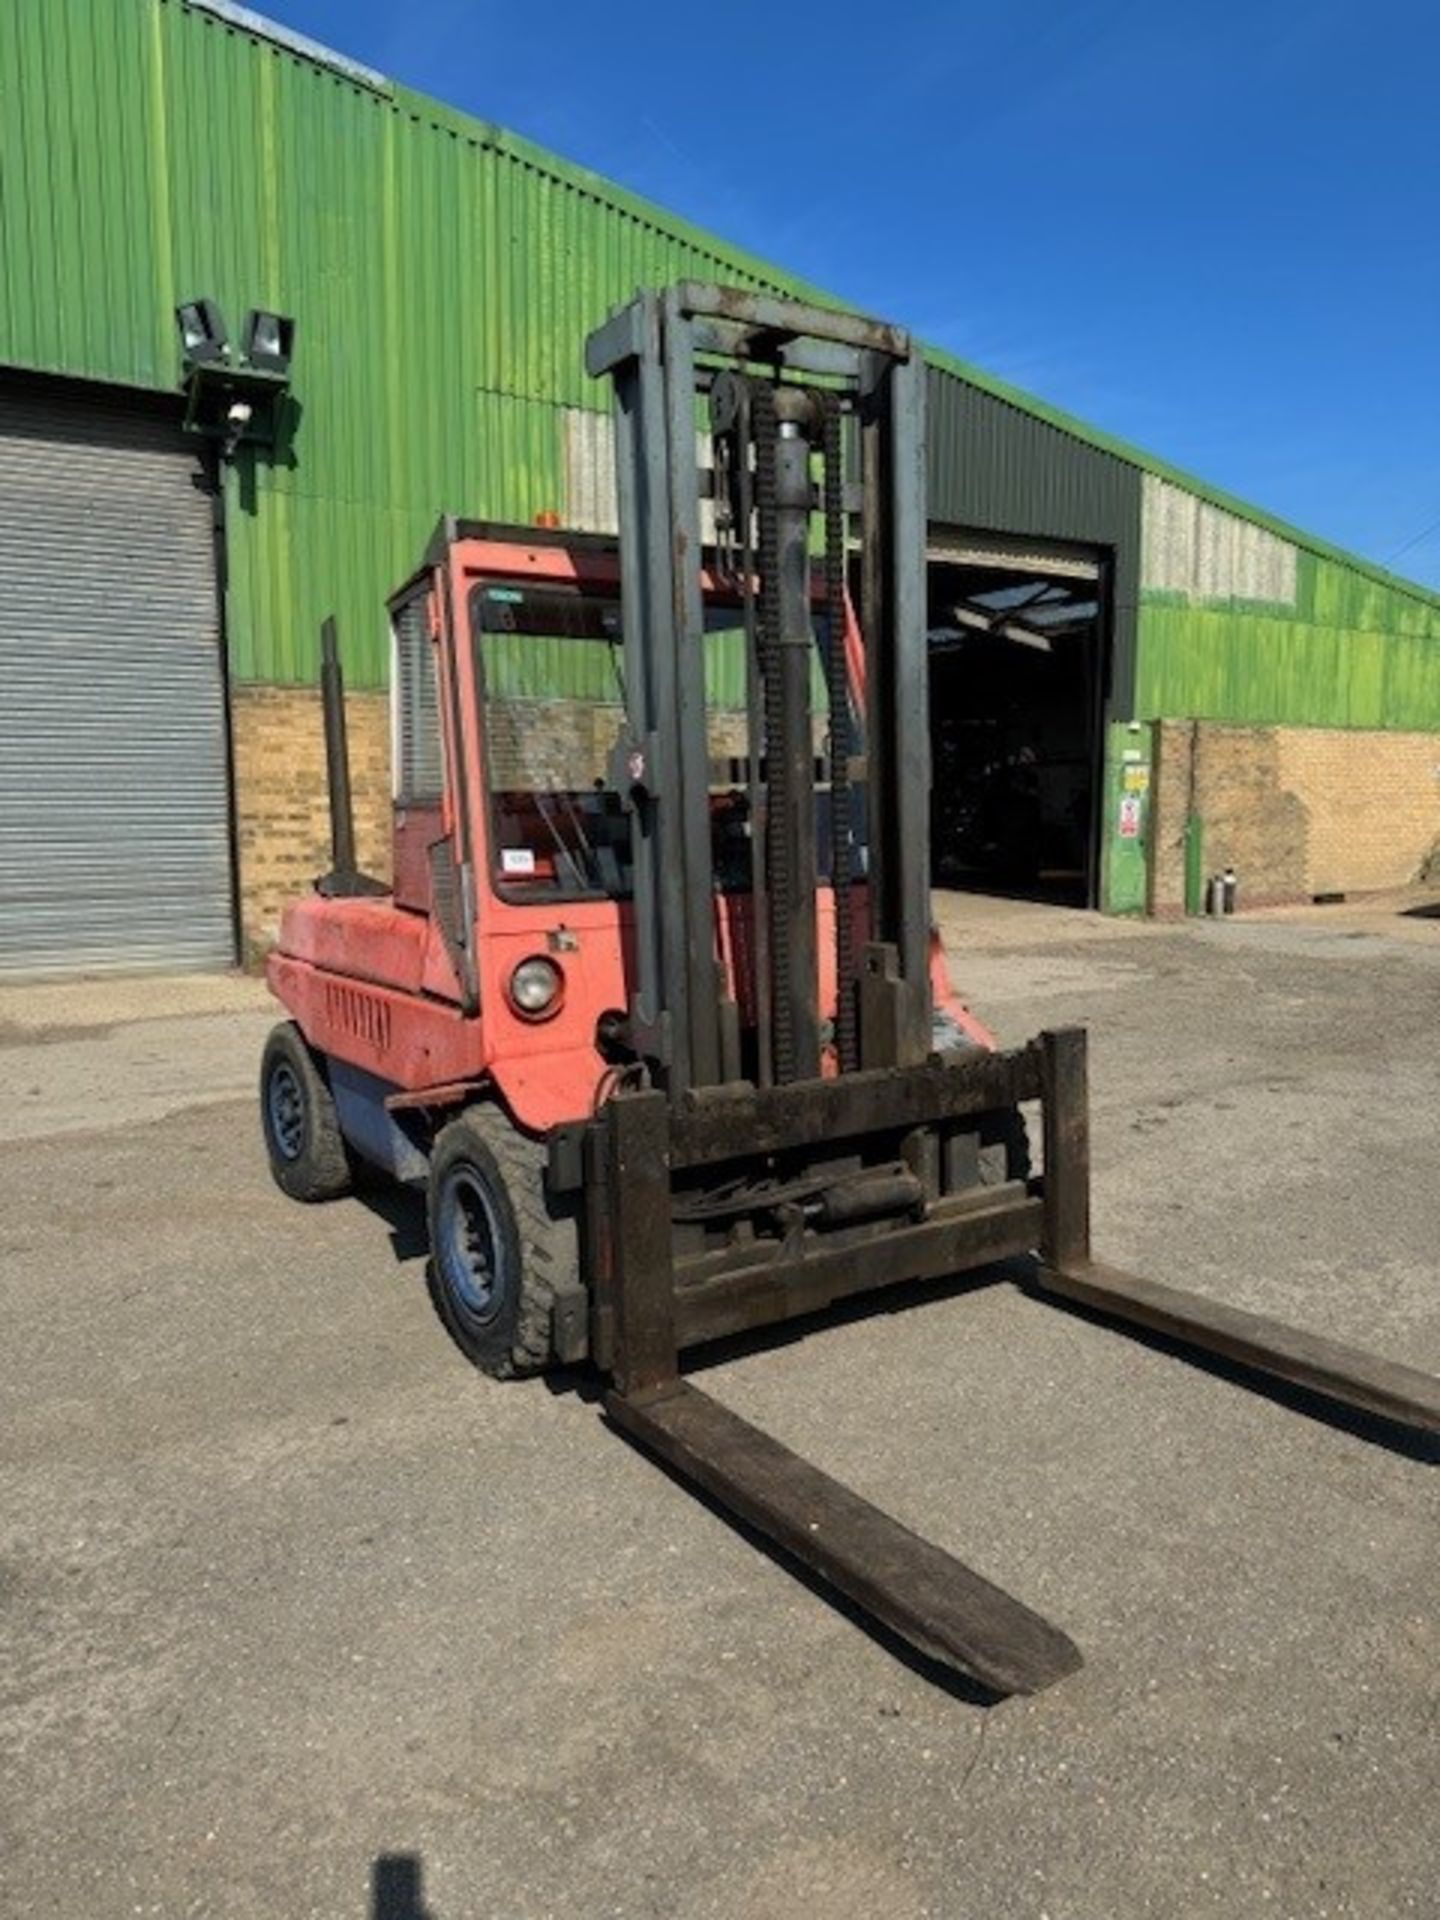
(114,804)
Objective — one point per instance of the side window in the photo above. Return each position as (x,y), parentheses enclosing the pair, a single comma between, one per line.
(415,704)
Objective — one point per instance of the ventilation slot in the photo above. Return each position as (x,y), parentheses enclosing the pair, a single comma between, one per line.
(362,1015)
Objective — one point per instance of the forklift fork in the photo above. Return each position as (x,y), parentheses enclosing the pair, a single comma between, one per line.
(648,1310)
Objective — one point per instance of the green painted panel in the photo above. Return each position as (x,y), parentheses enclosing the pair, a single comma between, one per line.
(1215,663)
(1125,833)
(78,262)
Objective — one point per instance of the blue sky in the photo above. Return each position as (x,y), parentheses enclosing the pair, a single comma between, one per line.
(1211,229)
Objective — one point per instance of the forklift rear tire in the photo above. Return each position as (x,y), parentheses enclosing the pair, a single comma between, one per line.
(302,1134)
(501,1250)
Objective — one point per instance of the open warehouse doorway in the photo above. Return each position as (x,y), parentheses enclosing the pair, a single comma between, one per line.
(1019,645)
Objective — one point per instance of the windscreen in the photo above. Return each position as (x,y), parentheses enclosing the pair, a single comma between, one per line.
(552,675)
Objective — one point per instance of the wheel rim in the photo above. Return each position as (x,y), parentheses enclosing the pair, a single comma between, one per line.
(470,1243)
(285,1104)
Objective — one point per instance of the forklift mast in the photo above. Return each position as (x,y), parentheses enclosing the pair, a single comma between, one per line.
(787,389)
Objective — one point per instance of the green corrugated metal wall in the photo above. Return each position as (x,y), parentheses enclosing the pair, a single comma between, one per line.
(1350,652)
(442,280)
(444,274)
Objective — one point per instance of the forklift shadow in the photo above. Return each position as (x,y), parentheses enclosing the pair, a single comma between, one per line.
(402,1210)
(1023,1273)
(587,1385)
(894,1299)
(1411,1443)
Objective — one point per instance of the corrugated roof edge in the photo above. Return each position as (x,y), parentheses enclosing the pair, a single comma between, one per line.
(488,133)
(260,26)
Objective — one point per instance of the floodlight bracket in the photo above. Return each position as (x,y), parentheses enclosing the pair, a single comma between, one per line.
(213,387)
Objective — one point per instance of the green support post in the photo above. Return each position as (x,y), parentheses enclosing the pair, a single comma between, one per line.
(1194,863)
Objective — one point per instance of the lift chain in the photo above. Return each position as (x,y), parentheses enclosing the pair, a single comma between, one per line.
(838,688)
(743,537)
(777,778)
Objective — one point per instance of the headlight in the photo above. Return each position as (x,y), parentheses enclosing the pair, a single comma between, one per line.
(535,987)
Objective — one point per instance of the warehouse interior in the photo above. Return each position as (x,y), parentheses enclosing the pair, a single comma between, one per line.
(1016,707)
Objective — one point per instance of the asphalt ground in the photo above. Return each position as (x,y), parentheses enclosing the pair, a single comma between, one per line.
(298,1616)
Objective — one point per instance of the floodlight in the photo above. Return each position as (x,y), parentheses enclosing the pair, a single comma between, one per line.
(202,331)
(234,394)
(268,340)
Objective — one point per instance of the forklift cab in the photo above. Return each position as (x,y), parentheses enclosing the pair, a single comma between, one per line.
(512,911)
(514,819)
(531,620)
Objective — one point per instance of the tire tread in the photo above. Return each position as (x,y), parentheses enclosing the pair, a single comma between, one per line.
(324,1170)
(549,1241)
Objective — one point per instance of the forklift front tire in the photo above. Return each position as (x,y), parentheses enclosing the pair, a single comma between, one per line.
(297,1112)
(501,1251)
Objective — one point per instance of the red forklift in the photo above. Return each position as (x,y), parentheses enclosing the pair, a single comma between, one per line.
(653,1010)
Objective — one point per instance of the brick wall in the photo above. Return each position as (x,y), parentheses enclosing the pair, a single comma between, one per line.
(554,743)
(281,799)
(564,743)
(1295,810)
